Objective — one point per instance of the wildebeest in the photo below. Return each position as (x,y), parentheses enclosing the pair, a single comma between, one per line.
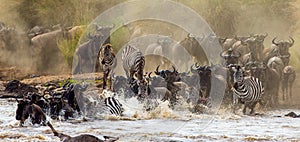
(288,78)
(25,110)
(272,83)
(230,56)
(281,48)
(250,48)
(205,74)
(194,48)
(276,63)
(87,53)
(170,77)
(15,86)
(159,48)
(81,138)
(45,45)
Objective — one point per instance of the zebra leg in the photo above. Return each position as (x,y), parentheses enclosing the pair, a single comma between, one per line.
(105,74)
(235,102)
(112,87)
(252,106)
(109,78)
(245,107)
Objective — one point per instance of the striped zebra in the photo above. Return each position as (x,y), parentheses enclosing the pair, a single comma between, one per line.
(113,106)
(248,90)
(133,62)
(133,65)
(108,61)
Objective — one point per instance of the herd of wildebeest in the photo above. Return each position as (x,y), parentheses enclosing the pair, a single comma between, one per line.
(245,54)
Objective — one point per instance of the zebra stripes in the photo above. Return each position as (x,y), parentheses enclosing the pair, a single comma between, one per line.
(108,61)
(248,89)
(113,106)
(133,62)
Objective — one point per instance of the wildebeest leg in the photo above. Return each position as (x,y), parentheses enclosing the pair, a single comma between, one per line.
(290,89)
(282,90)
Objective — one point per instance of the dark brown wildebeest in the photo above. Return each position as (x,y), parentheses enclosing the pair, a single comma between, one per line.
(26,109)
(81,138)
(205,74)
(170,77)
(15,86)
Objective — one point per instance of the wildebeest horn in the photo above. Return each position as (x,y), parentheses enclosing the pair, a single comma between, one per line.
(221,54)
(17,100)
(265,35)
(156,71)
(273,41)
(231,65)
(222,40)
(197,66)
(292,41)
(149,75)
(174,70)
(193,70)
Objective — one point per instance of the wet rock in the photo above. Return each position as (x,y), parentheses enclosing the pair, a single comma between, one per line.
(292,114)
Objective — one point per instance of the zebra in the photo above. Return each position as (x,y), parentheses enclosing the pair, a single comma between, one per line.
(113,106)
(248,90)
(133,64)
(109,62)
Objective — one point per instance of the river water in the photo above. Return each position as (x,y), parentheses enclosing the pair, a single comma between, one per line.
(162,124)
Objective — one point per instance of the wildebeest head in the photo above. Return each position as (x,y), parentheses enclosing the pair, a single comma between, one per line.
(250,43)
(169,76)
(283,45)
(105,32)
(230,56)
(260,37)
(204,73)
(21,112)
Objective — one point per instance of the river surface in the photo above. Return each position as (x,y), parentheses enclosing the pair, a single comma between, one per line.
(163,124)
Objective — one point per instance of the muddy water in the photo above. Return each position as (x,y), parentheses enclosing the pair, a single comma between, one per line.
(162,125)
